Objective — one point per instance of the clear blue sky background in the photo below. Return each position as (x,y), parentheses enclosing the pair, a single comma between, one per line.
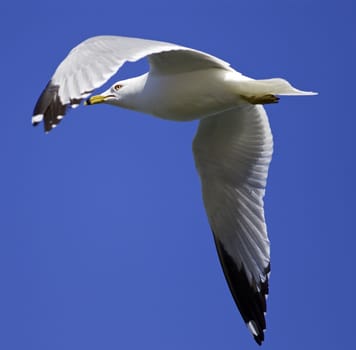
(104,242)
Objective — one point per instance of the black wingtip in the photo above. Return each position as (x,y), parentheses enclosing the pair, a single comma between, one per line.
(49,108)
(259,339)
(249,298)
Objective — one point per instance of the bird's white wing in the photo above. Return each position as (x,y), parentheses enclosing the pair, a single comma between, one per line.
(232,152)
(90,64)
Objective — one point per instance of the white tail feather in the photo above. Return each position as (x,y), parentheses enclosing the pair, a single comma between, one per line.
(275,86)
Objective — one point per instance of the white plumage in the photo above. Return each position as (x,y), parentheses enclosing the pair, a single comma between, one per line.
(232,148)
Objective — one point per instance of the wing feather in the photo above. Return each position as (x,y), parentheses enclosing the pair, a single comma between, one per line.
(232,152)
(94,61)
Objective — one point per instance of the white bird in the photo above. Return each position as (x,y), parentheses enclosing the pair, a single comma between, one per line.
(232,148)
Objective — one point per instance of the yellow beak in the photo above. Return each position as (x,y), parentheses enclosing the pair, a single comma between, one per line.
(94,100)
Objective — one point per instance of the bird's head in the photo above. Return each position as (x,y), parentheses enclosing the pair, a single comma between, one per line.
(124,93)
(110,96)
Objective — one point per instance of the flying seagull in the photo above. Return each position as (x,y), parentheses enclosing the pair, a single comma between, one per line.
(232,148)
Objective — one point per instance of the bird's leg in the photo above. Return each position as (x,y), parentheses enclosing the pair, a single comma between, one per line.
(257,100)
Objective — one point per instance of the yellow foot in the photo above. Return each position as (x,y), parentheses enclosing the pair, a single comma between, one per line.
(261,100)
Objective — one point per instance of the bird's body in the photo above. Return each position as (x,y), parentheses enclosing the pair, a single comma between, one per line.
(232,148)
(204,94)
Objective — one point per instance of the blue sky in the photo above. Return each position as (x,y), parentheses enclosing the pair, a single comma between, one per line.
(104,239)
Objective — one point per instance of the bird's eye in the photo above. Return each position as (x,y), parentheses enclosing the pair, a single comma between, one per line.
(117,87)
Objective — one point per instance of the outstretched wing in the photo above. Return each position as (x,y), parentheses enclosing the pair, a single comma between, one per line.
(232,152)
(90,64)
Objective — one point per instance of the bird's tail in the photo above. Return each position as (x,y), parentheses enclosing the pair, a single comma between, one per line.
(275,86)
